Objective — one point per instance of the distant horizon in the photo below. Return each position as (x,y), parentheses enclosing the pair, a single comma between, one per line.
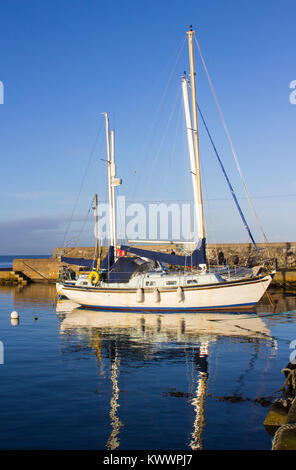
(27,254)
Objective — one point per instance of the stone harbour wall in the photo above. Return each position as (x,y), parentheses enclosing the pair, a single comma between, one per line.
(46,270)
(284,252)
(38,270)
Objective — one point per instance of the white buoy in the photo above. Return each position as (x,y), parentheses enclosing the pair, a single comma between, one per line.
(14,315)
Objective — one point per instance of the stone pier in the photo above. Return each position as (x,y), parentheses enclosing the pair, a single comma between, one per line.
(284,253)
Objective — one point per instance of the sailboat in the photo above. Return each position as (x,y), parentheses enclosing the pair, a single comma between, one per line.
(143,282)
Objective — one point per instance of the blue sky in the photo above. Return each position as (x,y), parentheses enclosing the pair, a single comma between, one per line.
(62,63)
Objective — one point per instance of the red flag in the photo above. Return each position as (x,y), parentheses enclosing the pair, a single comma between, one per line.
(121,253)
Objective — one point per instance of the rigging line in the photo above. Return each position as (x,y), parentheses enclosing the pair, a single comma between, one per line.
(84,223)
(156,157)
(228,182)
(81,185)
(173,149)
(275,196)
(202,172)
(229,139)
(159,107)
(209,212)
(191,225)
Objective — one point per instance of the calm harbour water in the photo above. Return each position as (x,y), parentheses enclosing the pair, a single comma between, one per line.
(78,379)
(7,260)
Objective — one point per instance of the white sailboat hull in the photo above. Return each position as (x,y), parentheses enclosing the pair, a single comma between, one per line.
(226,295)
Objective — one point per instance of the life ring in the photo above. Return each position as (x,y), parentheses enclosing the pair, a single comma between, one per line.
(94,277)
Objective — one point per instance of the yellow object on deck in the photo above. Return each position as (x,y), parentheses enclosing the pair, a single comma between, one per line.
(94,277)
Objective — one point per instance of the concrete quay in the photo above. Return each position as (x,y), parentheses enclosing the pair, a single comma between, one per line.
(46,270)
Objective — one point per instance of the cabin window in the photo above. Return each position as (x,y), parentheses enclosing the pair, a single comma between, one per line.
(150,283)
(192,281)
(171,283)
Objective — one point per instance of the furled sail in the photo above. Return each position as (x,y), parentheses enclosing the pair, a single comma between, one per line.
(108,261)
(78,261)
(197,257)
(91,263)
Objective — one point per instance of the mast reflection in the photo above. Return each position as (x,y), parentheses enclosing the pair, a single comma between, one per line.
(148,334)
(113,441)
(199,398)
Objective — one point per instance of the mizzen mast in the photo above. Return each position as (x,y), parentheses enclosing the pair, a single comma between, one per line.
(113,184)
(113,181)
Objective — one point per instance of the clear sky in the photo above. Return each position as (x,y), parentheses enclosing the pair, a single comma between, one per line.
(62,63)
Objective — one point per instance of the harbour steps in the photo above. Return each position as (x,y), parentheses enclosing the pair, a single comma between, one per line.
(8,277)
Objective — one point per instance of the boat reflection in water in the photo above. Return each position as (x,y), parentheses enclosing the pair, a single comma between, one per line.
(157,334)
(167,327)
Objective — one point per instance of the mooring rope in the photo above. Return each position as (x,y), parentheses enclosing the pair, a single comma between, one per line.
(291,417)
(290,380)
(276,443)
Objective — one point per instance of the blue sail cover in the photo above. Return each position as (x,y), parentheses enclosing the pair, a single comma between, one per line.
(105,264)
(78,261)
(108,261)
(123,269)
(197,257)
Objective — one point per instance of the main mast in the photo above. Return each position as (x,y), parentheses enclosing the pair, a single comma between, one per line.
(110,192)
(196,169)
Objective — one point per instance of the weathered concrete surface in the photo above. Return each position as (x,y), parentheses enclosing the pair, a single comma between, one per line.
(86,252)
(286,277)
(276,417)
(38,270)
(46,270)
